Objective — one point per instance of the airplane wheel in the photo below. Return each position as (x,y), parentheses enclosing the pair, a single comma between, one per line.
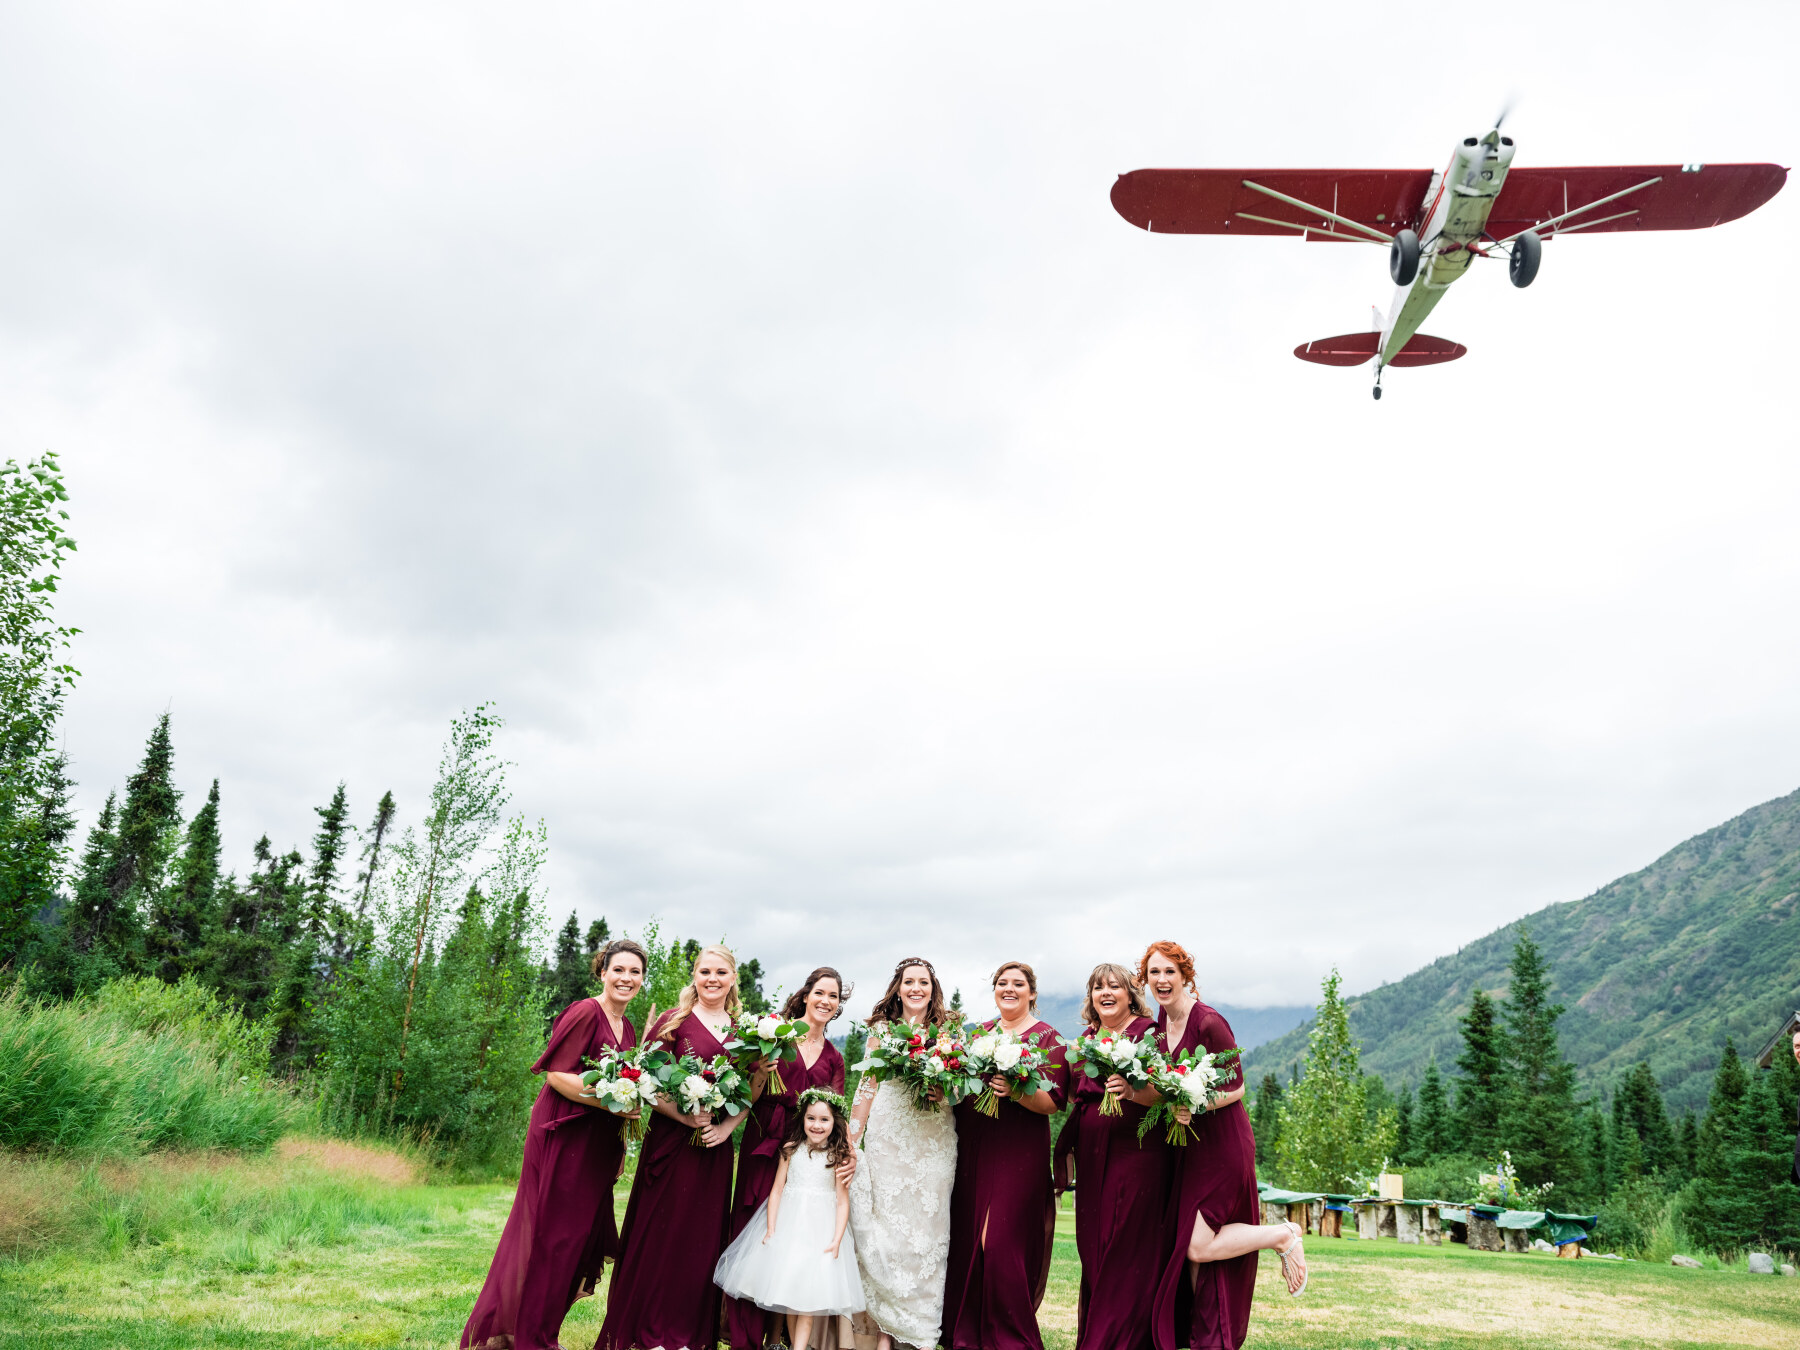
(1403,258)
(1378,392)
(1528,251)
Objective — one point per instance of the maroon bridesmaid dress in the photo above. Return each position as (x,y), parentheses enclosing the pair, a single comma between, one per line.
(1002,1218)
(561,1231)
(1121,1211)
(1215,1175)
(662,1292)
(748,1327)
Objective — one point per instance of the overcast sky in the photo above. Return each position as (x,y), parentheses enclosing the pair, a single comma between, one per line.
(874,543)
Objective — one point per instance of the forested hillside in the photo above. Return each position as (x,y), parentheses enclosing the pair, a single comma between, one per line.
(1660,965)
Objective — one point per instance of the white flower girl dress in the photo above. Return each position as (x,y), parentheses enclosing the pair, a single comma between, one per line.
(791,1273)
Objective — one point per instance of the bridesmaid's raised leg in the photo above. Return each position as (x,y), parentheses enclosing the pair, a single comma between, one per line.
(1239,1239)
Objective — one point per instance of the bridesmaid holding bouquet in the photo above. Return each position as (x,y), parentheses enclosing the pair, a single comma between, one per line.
(1209,1275)
(1121,1181)
(1003,1210)
(560,1231)
(819,1064)
(662,1295)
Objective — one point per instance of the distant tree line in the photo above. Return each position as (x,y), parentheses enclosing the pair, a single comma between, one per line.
(1718,1181)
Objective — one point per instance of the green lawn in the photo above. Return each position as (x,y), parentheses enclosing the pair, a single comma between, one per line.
(320,1251)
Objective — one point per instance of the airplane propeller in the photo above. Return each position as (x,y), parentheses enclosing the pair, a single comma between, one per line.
(1490,145)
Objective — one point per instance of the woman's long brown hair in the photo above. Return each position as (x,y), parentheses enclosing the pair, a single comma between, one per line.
(795,1006)
(892,1010)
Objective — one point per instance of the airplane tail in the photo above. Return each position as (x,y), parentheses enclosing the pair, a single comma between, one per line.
(1352,349)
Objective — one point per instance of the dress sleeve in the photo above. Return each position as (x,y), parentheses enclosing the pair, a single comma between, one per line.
(1216,1038)
(1056,1068)
(569,1039)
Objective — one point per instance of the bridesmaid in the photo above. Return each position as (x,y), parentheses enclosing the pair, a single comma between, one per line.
(560,1231)
(1121,1182)
(1003,1210)
(1209,1272)
(662,1293)
(819,1064)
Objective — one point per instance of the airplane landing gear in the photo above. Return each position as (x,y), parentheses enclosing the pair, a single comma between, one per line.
(1527,253)
(1403,258)
(1376,391)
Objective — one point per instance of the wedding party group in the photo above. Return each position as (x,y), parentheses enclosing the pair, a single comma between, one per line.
(921,1214)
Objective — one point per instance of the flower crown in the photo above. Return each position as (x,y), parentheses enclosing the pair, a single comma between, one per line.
(826,1095)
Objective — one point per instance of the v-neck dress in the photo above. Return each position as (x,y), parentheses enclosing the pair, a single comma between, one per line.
(662,1293)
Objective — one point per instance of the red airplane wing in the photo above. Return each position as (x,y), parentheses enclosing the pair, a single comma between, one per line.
(1687,197)
(1215,201)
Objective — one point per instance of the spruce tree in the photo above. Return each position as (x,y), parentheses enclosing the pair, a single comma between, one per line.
(1538,1111)
(598,935)
(1265,1123)
(104,938)
(1712,1208)
(1405,1141)
(750,990)
(1639,1102)
(1596,1156)
(1328,1141)
(1761,1161)
(1432,1129)
(1688,1144)
(568,979)
(149,827)
(371,854)
(330,927)
(186,911)
(1480,1088)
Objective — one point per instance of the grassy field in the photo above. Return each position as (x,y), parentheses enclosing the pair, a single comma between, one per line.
(327,1244)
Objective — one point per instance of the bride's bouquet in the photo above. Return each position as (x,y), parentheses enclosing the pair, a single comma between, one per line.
(695,1085)
(1103,1053)
(924,1060)
(625,1081)
(1186,1080)
(1019,1059)
(755,1038)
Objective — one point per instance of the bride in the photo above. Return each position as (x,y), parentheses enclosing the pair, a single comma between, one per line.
(900,1195)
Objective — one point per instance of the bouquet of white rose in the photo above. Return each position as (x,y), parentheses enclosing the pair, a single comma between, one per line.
(922,1059)
(1104,1053)
(625,1081)
(1018,1059)
(758,1037)
(1188,1080)
(694,1086)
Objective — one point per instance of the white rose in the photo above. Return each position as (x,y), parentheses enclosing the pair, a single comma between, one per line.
(693,1091)
(1007,1055)
(1127,1052)
(1194,1089)
(767,1027)
(646,1089)
(935,1064)
(982,1047)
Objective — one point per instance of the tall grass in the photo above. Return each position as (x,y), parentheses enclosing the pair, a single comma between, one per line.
(132,1070)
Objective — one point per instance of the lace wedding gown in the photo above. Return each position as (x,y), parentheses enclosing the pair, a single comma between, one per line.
(900,1213)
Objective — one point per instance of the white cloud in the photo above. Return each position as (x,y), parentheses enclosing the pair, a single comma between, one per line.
(874,542)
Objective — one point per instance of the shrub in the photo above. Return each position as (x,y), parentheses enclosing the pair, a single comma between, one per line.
(83,1076)
(1451,1176)
(1631,1216)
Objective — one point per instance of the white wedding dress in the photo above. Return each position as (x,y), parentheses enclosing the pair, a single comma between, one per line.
(900,1213)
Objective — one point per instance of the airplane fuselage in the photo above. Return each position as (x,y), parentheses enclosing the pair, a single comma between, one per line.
(1455,215)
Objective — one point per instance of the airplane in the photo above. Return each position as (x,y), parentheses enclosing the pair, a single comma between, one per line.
(1434,222)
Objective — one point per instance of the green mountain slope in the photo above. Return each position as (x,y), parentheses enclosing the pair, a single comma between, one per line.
(1660,965)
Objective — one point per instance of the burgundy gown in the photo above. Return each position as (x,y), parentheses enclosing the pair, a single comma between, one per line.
(662,1292)
(561,1231)
(747,1326)
(992,1287)
(1121,1211)
(1214,1175)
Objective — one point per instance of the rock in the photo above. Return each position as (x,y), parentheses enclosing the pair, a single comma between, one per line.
(1688,1261)
(1539,1245)
(1788,1270)
(1761,1263)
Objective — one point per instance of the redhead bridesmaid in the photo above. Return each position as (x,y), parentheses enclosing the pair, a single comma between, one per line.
(819,1064)
(1003,1209)
(1209,1273)
(560,1231)
(662,1295)
(1121,1181)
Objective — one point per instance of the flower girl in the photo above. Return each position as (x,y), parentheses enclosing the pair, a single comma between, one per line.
(801,1260)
